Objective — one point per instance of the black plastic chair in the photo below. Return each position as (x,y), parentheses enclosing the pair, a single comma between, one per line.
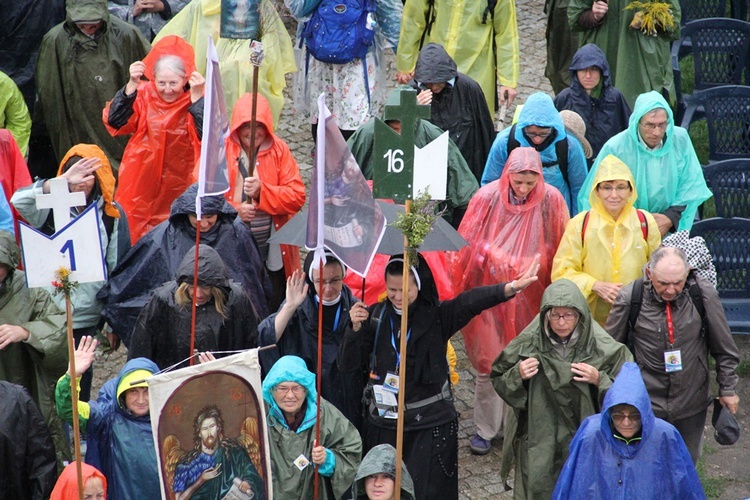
(703,9)
(728,240)
(721,56)
(727,113)
(729,181)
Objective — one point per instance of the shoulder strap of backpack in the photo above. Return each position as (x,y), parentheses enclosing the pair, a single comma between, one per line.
(635,309)
(644,223)
(585,225)
(694,291)
(561,150)
(429,18)
(489,11)
(512,141)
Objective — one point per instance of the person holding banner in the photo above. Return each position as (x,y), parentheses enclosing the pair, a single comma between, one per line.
(369,351)
(166,122)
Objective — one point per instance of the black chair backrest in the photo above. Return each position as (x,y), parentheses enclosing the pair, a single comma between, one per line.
(703,9)
(728,240)
(721,51)
(727,111)
(729,181)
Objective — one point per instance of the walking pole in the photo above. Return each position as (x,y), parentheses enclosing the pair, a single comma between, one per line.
(319,374)
(195,287)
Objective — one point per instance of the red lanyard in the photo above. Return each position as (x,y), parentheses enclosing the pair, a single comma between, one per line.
(670,326)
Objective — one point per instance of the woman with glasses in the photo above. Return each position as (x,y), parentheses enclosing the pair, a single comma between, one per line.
(291,409)
(606,247)
(553,376)
(294,330)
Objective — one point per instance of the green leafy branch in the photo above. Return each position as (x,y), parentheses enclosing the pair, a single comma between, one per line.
(417,224)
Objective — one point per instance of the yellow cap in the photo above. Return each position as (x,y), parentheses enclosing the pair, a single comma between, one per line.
(134,376)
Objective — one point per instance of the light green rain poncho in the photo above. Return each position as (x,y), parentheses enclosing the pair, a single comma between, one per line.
(669,176)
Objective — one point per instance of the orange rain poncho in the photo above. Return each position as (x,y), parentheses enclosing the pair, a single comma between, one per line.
(66,487)
(158,162)
(503,239)
(14,174)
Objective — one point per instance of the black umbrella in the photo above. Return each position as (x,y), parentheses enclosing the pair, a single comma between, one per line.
(441,237)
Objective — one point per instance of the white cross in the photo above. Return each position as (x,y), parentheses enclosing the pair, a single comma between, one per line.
(60,200)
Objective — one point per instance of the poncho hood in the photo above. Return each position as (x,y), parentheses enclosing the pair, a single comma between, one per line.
(91,11)
(10,255)
(645,103)
(210,205)
(539,110)
(67,484)
(628,388)
(381,460)
(171,45)
(565,293)
(211,268)
(612,169)
(291,369)
(104,176)
(522,159)
(434,65)
(243,113)
(587,56)
(131,366)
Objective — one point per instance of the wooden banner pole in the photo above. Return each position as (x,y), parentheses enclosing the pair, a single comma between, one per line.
(74,393)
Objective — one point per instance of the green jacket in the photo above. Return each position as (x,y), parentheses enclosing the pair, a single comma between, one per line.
(36,363)
(548,408)
(14,115)
(77,75)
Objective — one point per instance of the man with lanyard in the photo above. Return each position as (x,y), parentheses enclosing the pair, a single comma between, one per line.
(671,338)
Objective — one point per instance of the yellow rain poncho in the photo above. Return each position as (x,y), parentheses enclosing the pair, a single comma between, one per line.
(610,250)
(201,18)
(459,29)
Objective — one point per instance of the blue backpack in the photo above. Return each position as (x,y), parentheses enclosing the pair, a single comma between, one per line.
(340,31)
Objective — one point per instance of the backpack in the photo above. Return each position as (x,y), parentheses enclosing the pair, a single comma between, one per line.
(561,150)
(636,299)
(641,218)
(340,31)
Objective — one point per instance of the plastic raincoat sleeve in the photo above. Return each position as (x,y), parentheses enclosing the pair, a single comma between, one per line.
(570,255)
(415,12)
(64,402)
(506,377)
(25,202)
(47,330)
(288,195)
(14,115)
(506,43)
(145,333)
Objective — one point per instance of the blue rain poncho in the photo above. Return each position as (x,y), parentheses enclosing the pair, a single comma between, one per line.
(670,176)
(539,110)
(602,466)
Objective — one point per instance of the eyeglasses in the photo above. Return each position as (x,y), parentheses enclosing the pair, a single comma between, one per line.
(333,282)
(654,126)
(284,389)
(566,316)
(619,418)
(540,135)
(609,189)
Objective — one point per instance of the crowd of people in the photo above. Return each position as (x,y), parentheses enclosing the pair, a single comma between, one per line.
(565,280)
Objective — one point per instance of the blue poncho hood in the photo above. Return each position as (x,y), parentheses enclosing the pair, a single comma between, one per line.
(291,369)
(645,103)
(539,110)
(587,56)
(628,388)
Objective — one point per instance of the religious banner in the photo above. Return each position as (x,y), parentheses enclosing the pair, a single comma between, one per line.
(240,19)
(209,426)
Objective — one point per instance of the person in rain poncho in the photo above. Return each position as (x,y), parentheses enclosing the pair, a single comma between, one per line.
(591,94)
(606,247)
(553,375)
(461,182)
(82,63)
(94,484)
(149,16)
(626,452)
(294,330)
(508,222)
(14,115)
(484,43)
(202,18)
(225,318)
(456,104)
(351,96)
(28,468)
(118,426)
(370,351)
(291,409)
(668,175)
(640,62)
(156,258)
(270,194)
(14,173)
(166,122)
(87,170)
(375,479)
(540,126)
(33,347)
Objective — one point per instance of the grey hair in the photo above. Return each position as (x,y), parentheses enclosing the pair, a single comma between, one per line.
(662,252)
(171,63)
(653,112)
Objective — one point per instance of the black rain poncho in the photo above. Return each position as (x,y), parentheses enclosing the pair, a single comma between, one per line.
(156,257)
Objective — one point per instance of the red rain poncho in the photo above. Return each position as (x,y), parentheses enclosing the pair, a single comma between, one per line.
(503,239)
(66,487)
(158,162)
(14,174)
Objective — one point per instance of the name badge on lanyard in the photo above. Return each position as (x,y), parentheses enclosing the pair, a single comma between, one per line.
(672,357)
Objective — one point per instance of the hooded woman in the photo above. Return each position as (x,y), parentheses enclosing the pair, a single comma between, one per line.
(291,409)
(118,426)
(375,479)
(94,484)
(225,318)
(370,351)
(166,121)
(294,330)
(626,452)
(87,170)
(606,248)
(591,94)
(553,375)
(508,222)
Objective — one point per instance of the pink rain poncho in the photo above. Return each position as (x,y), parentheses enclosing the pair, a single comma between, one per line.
(503,239)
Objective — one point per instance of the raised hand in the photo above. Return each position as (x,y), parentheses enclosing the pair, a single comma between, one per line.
(197,84)
(296,289)
(84,355)
(137,69)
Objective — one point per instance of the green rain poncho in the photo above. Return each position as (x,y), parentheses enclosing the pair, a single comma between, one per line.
(38,362)
(548,408)
(638,62)
(670,176)
(77,75)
